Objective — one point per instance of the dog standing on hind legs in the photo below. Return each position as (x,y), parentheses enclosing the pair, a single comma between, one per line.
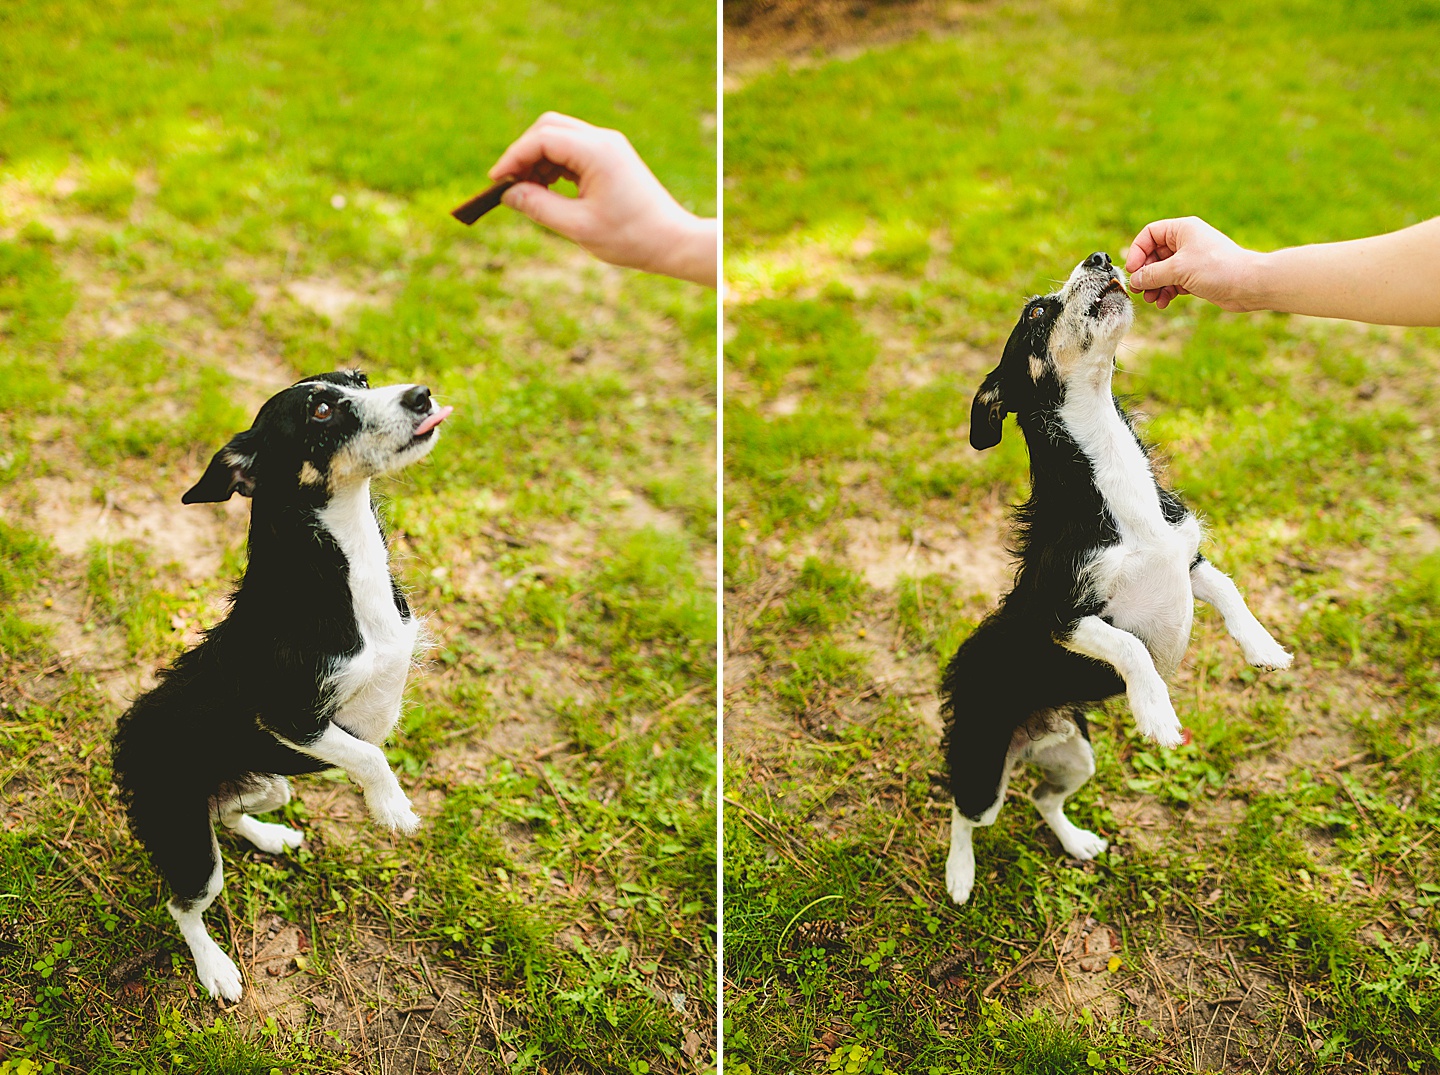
(307,670)
(1109,571)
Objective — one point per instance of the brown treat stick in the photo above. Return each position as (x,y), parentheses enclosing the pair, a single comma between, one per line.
(482,203)
(542,171)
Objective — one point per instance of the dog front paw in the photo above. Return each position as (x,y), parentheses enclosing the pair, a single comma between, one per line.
(1166,735)
(1155,716)
(1267,654)
(394,812)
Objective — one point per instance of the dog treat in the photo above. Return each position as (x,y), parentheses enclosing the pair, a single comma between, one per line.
(542,171)
(482,203)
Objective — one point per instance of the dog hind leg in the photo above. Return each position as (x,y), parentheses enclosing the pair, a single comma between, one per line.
(1066,765)
(975,807)
(267,793)
(194,893)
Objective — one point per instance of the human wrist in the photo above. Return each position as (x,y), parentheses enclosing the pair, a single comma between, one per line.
(687,249)
(1256,281)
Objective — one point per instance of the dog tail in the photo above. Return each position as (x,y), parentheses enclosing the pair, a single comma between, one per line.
(166,801)
(981,708)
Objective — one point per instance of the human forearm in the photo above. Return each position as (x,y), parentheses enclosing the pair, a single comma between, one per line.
(1391,279)
(689,253)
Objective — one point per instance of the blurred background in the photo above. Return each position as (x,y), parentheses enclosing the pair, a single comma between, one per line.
(201,203)
(899,178)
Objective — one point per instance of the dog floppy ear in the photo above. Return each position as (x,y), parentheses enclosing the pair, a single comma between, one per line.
(987,413)
(231,471)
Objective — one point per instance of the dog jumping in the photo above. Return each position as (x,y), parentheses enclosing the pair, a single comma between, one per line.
(1109,571)
(307,670)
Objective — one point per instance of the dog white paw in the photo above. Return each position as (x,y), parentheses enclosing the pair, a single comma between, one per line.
(1267,653)
(218,973)
(960,873)
(394,812)
(1155,717)
(1078,843)
(1082,844)
(271,837)
(1166,735)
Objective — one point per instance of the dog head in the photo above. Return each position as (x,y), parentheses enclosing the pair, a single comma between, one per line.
(321,434)
(1061,339)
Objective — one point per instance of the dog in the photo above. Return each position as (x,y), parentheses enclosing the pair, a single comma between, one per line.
(306,671)
(1109,570)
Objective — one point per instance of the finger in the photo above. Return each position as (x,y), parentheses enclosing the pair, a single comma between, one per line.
(1156,275)
(554,119)
(560,119)
(568,216)
(1156,242)
(546,172)
(572,148)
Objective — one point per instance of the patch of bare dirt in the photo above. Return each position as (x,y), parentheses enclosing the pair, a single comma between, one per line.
(194,540)
(330,298)
(1212,1010)
(636,513)
(977,562)
(378,998)
(759,32)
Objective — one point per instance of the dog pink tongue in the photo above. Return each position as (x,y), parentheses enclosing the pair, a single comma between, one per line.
(433,420)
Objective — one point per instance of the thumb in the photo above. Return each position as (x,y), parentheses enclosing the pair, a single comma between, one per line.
(542,205)
(1156,275)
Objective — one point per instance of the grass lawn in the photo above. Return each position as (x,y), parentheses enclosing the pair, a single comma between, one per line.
(1271,898)
(199,204)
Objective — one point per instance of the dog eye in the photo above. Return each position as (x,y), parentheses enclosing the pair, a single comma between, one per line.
(321,412)
(1036,311)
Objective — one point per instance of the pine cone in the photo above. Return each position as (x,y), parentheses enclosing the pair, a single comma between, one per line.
(825,933)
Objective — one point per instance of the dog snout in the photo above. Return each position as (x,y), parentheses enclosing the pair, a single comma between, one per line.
(1098,260)
(417,399)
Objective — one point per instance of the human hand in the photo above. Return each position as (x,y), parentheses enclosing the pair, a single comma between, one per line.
(1186,256)
(623,214)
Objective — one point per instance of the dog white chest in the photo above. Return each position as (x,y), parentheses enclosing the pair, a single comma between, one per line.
(1145,579)
(369,685)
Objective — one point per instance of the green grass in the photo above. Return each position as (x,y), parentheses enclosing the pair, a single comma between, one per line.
(1269,901)
(167,173)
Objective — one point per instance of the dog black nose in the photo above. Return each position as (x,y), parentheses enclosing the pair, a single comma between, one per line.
(417,400)
(1098,260)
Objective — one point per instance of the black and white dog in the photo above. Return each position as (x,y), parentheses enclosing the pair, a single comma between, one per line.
(307,670)
(1109,570)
